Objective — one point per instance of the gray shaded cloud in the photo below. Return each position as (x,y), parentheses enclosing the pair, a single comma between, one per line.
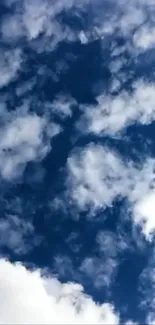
(17,234)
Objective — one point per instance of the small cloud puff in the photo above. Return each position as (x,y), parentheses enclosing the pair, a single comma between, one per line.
(17,235)
(24,138)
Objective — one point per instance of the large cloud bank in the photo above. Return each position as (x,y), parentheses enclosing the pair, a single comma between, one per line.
(27,297)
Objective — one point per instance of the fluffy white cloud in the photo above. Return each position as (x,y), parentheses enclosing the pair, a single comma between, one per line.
(28,20)
(124,16)
(144,38)
(10,63)
(133,16)
(31,19)
(112,115)
(145,213)
(97,176)
(111,244)
(35,17)
(24,138)
(102,270)
(26,297)
(142,197)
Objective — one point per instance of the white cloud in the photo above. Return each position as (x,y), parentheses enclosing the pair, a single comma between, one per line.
(83,37)
(145,213)
(144,38)
(25,87)
(112,115)
(97,176)
(63,106)
(31,19)
(10,63)
(17,234)
(11,27)
(63,266)
(24,138)
(147,289)
(111,244)
(101,271)
(142,198)
(26,297)
(124,16)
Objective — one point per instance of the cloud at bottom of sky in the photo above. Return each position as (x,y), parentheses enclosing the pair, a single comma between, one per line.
(26,296)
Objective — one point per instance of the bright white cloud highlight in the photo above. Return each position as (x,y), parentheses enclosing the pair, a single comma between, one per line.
(35,17)
(101,271)
(26,297)
(63,106)
(144,38)
(145,213)
(97,176)
(30,19)
(112,115)
(24,138)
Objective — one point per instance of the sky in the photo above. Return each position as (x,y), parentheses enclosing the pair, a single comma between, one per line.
(77,162)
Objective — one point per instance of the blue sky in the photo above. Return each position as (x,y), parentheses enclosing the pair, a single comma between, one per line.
(77,162)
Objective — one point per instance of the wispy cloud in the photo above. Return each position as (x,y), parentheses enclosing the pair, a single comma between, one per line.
(63,106)
(101,271)
(10,64)
(144,38)
(24,138)
(30,20)
(144,213)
